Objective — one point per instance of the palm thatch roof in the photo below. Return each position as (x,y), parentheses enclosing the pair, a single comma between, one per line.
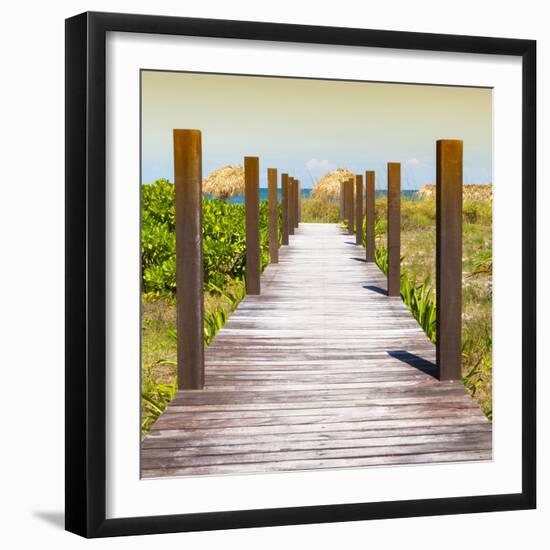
(225,182)
(470,191)
(327,187)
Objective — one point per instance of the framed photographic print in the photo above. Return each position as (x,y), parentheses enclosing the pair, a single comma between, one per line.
(300,274)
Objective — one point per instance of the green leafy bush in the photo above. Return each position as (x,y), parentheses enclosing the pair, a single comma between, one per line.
(223,233)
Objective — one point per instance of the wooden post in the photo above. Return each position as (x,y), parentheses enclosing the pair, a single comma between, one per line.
(291,205)
(350,214)
(449,259)
(359,209)
(346,200)
(342,200)
(285,208)
(345,197)
(273,222)
(189,264)
(394,229)
(369,215)
(297,203)
(252,206)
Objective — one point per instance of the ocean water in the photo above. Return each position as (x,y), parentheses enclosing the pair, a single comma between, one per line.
(411,194)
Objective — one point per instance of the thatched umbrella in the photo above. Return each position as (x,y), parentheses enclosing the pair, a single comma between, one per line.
(328,186)
(225,182)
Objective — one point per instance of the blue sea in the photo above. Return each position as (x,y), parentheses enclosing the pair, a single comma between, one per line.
(411,194)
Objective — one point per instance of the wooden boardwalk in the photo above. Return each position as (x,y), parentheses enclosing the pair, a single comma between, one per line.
(322,370)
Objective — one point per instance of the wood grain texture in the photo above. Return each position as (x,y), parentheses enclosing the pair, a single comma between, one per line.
(342,200)
(359,209)
(298,203)
(350,205)
(394,229)
(293,382)
(252,208)
(370,213)
(189,257)
(291,205)
(284,208)
(449,258)
(273,205)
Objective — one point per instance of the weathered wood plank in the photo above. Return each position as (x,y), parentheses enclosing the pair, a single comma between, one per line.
(155,441)
(358,410)
(174,421)
(283,395)
(169,460)
(290,406)
(338,425)
(283,445)
(289,465)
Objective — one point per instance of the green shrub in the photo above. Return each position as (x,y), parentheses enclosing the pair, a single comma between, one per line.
(223,234)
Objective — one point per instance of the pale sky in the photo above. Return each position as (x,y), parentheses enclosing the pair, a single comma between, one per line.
(308,127)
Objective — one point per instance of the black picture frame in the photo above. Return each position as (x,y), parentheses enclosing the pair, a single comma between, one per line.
(86,284)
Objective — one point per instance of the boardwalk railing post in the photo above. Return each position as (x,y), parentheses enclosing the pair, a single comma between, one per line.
(394,228)
(284,186)
(369,215)
(449,259)
(359,209)
(189,262)
(273,206)
(291,205)
(350,206)
(299,208)
(345,199)
(297,203)
(342,200)
(252,206)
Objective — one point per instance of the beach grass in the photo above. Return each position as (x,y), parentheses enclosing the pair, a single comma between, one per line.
(317,210)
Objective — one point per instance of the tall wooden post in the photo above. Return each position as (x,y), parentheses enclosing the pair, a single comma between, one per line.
(394,228)
(273,221)
(189,264)
(449,259)
(297,203)
(350,214)
(291,205)
(359,209)
(369,215)
(342,200)
(345,196)
(285,208)
(299,192)
(252,206)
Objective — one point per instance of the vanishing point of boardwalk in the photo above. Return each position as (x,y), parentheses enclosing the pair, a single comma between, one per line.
(322,370)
